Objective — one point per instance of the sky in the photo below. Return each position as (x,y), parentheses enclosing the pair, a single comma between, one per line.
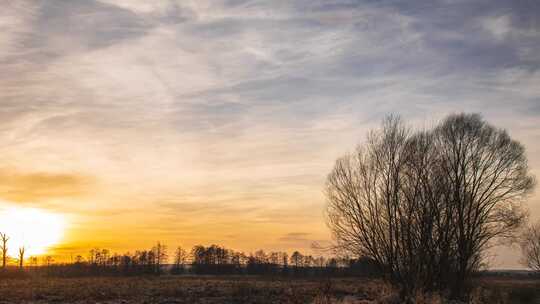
(199,122)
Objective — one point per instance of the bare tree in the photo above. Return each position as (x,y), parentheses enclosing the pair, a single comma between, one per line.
(4,239)
(530,247)
(180,258)
(33,261)
(160,256)
(365,211)
(297,259)
(79,259)
(487,178)
(21,256)
(426,205)
(48,260)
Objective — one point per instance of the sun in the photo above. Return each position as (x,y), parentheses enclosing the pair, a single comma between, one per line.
(34,229)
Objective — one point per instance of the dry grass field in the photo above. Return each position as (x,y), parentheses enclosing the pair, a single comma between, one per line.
(236,289)
(174,289)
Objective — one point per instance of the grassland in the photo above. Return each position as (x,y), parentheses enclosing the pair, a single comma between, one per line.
(235,289)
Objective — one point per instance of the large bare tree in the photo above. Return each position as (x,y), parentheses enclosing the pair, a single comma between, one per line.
(426,205)
(486,176)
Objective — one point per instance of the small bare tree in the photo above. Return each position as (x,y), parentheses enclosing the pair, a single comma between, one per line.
(530,247)
(33,261)
(160,255)
(21,256)
(48,260)
(297,259)
(180,258)
(4,239)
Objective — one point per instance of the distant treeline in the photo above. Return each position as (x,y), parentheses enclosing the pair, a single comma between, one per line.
(214,260)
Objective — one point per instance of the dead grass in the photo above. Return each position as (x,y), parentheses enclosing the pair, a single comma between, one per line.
(237,289)
(170,289)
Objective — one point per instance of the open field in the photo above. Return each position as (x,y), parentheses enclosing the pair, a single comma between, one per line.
(235,289)
(199,289)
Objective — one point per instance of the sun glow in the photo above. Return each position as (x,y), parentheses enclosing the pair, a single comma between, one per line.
(34,229)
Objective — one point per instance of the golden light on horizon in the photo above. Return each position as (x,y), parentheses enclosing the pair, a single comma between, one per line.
(34,229)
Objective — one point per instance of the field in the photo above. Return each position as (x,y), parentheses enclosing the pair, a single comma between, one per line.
(235,289)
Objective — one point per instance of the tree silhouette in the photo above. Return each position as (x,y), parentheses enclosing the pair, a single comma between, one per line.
(160,256)
(285,260)
(48,260)
(426,205)
(297,259)
(180,259)
(33,261)
(4,239)
(21,256)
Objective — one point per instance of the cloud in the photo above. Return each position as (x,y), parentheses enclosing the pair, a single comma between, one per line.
(68,28)
(499,26)
(15,25)
(295,237)
(24,187)
(305,241)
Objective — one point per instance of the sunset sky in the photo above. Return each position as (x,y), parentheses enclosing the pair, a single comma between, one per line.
(217,121)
